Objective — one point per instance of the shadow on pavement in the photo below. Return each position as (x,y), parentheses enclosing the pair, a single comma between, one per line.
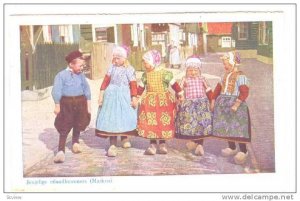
(50,138)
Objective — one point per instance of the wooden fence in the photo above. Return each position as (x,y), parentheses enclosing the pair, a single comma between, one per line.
(101,59)
(46,62)
(26,68)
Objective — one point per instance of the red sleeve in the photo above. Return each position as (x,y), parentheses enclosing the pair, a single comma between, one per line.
(217,91)
(133,88)
(105,82)
(209,95)
(244,92)
(176,87)
(140,90)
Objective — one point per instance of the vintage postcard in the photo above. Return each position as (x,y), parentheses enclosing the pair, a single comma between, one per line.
(149,98)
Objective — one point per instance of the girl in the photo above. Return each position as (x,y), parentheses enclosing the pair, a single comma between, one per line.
(157,109)
(193,120)
(117,115)
(231,115)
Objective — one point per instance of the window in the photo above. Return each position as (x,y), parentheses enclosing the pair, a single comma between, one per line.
(243,30)
(101,34)
(160,38)
(65,34)
(263,34)
(157,37)
(226,42)
(192,39)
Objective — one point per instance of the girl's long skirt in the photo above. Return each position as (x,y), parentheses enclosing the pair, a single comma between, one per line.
(157,116)
(193,120)
(230,125)
(116,116)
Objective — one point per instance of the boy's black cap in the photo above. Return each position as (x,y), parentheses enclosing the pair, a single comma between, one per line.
(73,55)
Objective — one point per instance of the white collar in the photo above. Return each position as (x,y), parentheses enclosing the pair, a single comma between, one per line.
(69,69)
(157,68)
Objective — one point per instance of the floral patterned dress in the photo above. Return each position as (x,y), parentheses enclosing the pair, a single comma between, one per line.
(157,110)
(194,119)
(227,124)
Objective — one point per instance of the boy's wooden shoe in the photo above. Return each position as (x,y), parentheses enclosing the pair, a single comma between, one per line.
(240,158)
(199,150)
(76,148)
(112,151)
(60,157)
(229,152)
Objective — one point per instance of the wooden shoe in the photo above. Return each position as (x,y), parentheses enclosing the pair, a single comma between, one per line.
(240,158)
(151,150)
(229,152)
(112,151)
(191,145)
(162,149)
(60,157)
(126,144)
(199,150)
(76,148)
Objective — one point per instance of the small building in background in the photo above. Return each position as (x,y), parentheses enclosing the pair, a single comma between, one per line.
(245,35)
(218,36)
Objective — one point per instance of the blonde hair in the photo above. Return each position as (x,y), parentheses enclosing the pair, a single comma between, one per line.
(126,63)
(193,67)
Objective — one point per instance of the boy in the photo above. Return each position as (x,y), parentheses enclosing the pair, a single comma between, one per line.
(72,96)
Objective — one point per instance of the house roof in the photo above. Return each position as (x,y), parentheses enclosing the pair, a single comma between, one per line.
(219,28)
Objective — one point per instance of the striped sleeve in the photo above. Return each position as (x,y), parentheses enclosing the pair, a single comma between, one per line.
(242,80)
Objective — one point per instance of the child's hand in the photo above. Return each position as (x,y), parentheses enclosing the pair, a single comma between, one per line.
(212,105)
(236,106)
(100,100)
(57,109)
(89,106)
(181,98)
(134,102)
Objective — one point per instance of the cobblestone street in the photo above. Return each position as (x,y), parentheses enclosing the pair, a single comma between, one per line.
(40,140)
